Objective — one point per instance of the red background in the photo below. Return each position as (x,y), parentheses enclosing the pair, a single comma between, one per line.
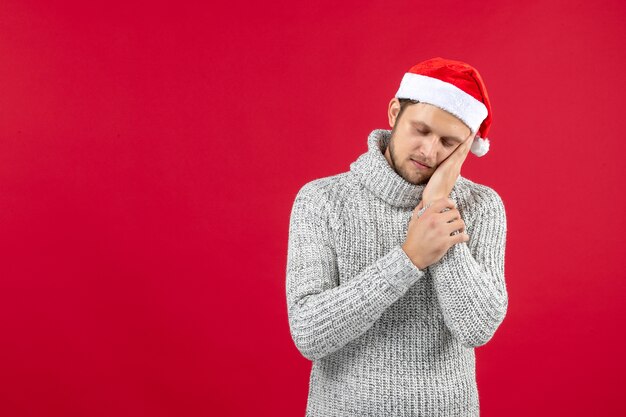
(150,155)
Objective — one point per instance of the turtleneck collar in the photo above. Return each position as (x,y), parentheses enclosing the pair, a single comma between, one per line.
(373,171)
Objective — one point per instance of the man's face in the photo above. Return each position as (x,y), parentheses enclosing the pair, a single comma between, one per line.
(423,133)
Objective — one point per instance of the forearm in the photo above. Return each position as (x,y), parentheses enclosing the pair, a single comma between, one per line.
(322,320)
(472,296)
(469,278)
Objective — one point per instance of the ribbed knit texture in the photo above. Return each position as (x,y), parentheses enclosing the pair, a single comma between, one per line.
(385,338)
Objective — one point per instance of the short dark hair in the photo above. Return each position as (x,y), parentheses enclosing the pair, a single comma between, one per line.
(404,103)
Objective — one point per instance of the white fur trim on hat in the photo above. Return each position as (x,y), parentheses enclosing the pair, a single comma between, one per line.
(444,95)
(480,146)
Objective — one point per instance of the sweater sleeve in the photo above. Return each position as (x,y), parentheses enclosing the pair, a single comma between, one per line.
(469,278)
(325,315)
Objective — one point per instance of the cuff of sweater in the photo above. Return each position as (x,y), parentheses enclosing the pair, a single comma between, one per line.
(398,269)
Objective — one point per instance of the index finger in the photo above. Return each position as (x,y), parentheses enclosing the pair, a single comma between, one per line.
(438,205)
(462,150)
(467,144)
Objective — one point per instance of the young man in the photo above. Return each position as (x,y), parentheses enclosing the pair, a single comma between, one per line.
(395,269)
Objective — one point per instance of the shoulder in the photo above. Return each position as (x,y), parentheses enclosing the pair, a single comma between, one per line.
(322,194)
(325,188)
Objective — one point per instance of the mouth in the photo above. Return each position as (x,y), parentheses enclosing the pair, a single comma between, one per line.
(420,165)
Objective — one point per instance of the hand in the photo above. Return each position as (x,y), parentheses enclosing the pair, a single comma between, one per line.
(443,179)
(429,237)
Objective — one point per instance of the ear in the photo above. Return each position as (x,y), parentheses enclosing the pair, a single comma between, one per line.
(393,110)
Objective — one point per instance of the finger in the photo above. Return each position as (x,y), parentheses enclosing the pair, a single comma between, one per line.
(459,238)
(467,145)
(459,158)
(416,210)
(455,225)
(456,154)
(451,215)
(460,153)
(442,203)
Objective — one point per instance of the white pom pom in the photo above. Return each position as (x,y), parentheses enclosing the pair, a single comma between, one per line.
(480,146)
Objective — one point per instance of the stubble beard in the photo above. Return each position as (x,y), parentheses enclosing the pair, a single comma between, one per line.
(398,168)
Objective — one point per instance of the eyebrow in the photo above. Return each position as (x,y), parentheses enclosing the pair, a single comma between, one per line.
(424,125)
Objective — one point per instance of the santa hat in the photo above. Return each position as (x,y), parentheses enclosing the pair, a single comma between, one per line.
(453,86)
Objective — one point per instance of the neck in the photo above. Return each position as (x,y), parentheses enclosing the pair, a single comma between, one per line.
(388,158)
(375,169)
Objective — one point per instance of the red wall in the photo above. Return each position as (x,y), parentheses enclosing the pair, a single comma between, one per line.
(150,155)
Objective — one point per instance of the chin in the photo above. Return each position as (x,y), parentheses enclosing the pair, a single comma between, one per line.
(408,176)
(418,181)
(422,180)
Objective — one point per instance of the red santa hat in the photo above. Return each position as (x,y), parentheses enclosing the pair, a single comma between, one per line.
(455,87)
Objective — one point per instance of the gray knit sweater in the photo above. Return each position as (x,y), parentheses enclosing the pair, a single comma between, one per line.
(386,338)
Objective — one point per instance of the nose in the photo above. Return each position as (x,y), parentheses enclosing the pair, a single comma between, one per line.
(428,148)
